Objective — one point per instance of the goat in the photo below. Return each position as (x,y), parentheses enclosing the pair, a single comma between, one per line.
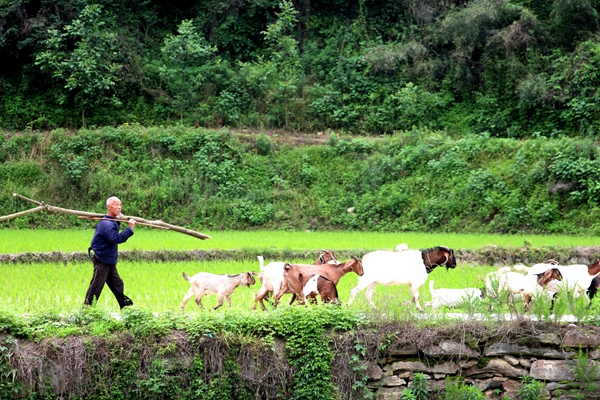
(519,284)
(296,275)
(593,289)
(451,297)
(273,276)
(576,278)
(402,247)
(222,285)
(409,267)
(319,285)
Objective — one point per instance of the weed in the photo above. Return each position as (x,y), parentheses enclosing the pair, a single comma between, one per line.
(531,389)
(418,390)
(458,390)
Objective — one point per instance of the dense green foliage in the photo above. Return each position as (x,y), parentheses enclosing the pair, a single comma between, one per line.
(511,68)
(416,181)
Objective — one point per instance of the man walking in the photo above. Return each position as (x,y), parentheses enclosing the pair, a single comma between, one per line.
(105,247)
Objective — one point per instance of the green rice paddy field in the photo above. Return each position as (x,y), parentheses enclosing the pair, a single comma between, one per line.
(159,286)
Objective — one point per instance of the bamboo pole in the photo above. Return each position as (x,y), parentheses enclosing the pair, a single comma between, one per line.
(155,224)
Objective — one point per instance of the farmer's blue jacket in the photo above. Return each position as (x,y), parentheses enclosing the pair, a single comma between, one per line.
(107,238)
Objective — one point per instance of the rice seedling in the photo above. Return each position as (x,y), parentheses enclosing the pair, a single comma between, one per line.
(157,286)
(40,240)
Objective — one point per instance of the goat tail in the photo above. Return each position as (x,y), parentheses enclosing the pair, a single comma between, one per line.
(431,286)
(261,262)
(186,277)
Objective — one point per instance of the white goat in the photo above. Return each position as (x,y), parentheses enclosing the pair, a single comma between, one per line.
(516,283)
(222,285)
(402,247)
(576,278)
(272,276)
(451,297)
(410,267)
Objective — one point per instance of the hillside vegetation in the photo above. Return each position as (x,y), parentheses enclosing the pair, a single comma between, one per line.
(215,180)
(509,68)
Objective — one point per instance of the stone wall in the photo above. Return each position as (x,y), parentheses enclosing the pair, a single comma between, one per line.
(566,360)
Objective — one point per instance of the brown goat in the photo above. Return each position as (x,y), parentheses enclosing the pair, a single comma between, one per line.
(294,281)
(272,276)
(543,280)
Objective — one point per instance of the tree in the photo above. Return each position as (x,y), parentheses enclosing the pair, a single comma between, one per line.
(284,58)
(84,56)
(181,71)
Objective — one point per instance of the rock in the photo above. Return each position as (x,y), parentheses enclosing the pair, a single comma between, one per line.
(403,350)
(492,395)
(579,337)
(511,360)
(510,388)
(486,384)
(401,367)
(448,368)
(389,394)
(467,364)
(552,370)
(503,368)
(502,349)
(525,363)
(404,374)
(549,338)
(496,366)
(448,348)
(551,353)
(393,380)
(374,372)
(416,366)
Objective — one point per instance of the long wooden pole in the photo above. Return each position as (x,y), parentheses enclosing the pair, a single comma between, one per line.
(156,224)
(20,214)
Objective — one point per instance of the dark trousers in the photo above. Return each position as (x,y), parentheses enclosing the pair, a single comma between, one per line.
(106,273)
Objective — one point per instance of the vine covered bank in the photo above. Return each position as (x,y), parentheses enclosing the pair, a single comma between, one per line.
(291,353)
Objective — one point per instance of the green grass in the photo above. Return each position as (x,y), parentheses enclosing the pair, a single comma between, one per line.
(159,286)
(38,240)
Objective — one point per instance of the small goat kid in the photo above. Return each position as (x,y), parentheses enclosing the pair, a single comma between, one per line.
(451,297)
(319,285)
(222,285)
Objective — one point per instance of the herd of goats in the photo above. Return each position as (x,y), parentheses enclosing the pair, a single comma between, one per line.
(393,267)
